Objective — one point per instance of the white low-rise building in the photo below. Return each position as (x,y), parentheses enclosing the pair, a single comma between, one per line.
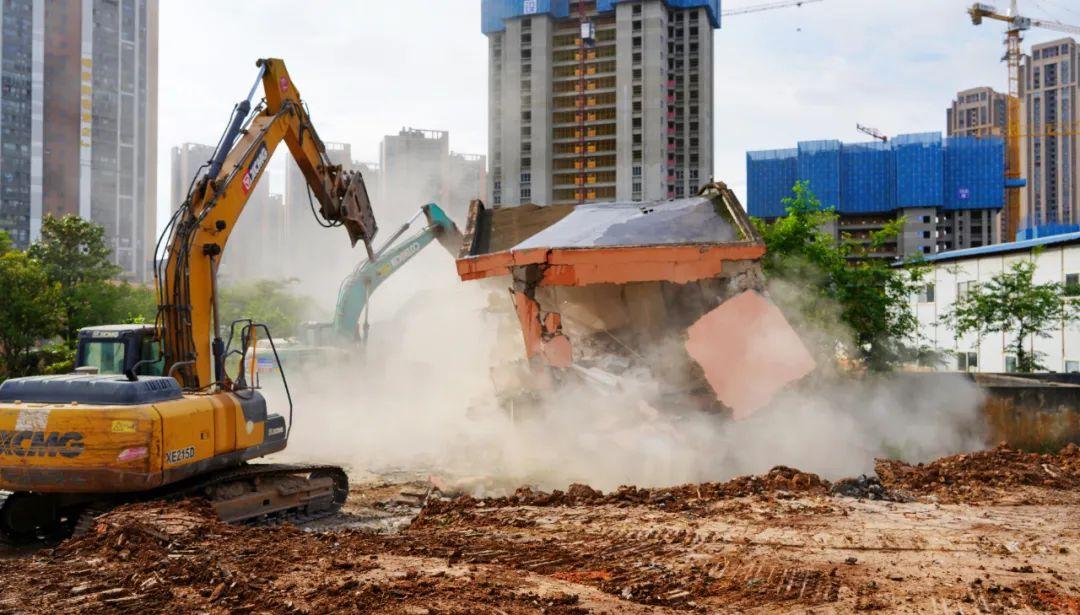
(1057,259)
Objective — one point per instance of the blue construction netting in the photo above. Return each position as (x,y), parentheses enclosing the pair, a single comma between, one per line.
(974,168)
(1046,230)
(868,178)
(819,165)
(770,175)
(918,170)
(494,13)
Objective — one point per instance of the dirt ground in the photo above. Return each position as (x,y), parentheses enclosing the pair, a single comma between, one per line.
(990,532)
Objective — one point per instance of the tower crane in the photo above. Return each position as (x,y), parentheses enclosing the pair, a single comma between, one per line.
(768,6)
(873,132)
(1016,24)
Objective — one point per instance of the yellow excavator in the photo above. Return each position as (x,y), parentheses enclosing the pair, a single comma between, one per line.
(151,411)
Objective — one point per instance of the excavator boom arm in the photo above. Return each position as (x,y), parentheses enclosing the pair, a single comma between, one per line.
(188,323)
(357,288)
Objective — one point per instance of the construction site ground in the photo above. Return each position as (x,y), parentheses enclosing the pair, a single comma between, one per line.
(996,531)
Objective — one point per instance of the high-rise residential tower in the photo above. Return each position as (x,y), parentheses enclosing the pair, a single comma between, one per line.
(1048,150)
(189,161)
(412,163)
(978,112)
(593,100)
(78,120)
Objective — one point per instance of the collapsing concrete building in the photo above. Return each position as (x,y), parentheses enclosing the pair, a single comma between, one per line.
(613,288)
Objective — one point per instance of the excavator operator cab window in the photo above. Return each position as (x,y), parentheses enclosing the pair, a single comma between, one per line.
(151,353)
(112,351)
(106,355)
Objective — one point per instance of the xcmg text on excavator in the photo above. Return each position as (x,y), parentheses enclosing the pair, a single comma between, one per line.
(151,410)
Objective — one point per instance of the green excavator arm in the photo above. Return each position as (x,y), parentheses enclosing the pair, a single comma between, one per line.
(356,289)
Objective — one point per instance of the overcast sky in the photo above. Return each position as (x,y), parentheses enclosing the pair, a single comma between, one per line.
(369,67)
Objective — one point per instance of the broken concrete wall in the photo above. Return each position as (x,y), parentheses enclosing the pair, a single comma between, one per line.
(613,288)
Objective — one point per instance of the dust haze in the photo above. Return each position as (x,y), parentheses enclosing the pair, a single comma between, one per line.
(420,397)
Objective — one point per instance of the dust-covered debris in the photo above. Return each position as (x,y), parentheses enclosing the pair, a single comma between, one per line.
(868,487)
(779,542)
(984,475)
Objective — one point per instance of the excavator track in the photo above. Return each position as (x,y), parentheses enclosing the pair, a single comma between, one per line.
(250,494)
(8,536)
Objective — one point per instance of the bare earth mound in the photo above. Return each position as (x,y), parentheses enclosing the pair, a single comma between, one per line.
(781,542)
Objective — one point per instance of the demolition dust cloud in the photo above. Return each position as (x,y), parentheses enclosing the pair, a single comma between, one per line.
(421,398)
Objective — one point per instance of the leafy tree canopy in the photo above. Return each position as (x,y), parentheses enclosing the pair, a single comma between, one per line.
(1011,302)
(29,311)
(830,282)
(272,302)
(73,253)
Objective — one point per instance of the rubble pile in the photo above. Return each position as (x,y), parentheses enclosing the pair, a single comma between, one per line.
(984,474)
(781,481)
(751,543)
(178,557)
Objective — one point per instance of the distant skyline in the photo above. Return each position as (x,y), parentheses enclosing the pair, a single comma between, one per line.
(782,76)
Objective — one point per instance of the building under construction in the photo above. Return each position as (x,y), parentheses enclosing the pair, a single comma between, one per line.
(1048,156)
(598,100)
(948,190)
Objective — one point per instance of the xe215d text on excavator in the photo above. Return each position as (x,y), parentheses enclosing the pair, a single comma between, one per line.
(151,411)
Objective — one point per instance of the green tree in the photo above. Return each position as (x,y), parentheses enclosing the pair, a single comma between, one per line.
(1011,302)
(29,311)
(271,302)
(841,282)
(73,254)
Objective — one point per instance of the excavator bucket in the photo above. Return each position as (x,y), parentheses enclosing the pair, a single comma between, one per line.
(356,213)
(449,235)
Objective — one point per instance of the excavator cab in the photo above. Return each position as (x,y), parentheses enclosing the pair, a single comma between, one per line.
(119,349)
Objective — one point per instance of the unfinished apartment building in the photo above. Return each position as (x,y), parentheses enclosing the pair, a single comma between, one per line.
(976,112)
(599,100)
(945,190)
(1048,155)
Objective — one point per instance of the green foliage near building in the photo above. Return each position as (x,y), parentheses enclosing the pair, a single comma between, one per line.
(271,302)
(1012,303)
(74,255)
(62,283)
(29,309)
(820,283)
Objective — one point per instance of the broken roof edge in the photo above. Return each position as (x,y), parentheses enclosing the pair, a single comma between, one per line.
(734,208)
(579,266)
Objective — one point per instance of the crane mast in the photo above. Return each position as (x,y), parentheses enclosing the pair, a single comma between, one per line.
(1016,24)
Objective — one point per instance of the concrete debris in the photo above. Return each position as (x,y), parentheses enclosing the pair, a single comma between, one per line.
(868,488)
(748,352)
(638,290)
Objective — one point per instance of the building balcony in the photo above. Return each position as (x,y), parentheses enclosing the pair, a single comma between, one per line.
(589,138)
(573,169)
(575,92)
(572,155)
(588,123)
(596,74)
